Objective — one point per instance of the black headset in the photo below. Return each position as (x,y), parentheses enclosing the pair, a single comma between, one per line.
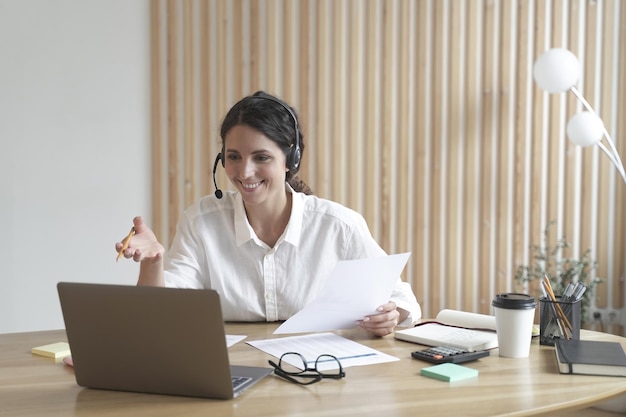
(293,157)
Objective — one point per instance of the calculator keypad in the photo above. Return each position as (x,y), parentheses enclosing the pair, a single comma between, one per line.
(443,354)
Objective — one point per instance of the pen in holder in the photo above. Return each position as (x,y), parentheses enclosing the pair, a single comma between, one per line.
(558,319)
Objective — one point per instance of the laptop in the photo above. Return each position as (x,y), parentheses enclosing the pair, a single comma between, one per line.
(151,339)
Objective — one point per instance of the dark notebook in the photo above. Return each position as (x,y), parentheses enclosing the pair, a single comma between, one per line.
(590,357)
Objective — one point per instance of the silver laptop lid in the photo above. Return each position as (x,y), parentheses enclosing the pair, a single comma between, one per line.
(147,339)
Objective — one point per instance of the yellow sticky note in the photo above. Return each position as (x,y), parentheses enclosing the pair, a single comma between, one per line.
(54,350)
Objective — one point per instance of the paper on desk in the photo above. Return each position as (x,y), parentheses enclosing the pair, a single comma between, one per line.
(349,352)
(354,290)
(232,339)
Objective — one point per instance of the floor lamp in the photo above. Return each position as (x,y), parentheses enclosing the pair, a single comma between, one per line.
(557,71)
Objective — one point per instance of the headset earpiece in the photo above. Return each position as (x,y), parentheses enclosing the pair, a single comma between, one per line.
(295,153)
(293,161)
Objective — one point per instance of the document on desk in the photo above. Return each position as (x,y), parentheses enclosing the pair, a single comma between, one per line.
(354,290)
(349,352)
(233,339)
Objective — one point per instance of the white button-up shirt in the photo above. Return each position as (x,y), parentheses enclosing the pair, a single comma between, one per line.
(215,247)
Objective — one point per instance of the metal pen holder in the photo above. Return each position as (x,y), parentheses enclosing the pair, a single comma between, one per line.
(558,320)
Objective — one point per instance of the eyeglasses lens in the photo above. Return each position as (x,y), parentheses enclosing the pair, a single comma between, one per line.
(292,363)
(328,366)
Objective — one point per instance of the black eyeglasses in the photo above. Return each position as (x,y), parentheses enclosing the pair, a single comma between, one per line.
(294,368)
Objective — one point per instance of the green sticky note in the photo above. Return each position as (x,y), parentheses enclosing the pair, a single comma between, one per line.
(449,372)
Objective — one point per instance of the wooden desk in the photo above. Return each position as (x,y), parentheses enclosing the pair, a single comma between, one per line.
(31,385)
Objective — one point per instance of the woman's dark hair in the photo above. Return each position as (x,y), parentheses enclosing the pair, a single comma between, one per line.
(269,115)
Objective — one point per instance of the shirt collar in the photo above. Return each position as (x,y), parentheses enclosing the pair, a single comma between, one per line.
(294,227)
(244,232)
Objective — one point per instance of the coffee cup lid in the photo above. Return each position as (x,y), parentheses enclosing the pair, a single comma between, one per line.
(514,301)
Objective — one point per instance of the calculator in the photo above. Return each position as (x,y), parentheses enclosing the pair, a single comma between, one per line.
(448,354)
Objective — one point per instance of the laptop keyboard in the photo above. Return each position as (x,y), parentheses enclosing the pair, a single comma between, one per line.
(239,381)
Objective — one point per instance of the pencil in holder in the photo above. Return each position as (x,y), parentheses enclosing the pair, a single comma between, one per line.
(558,320)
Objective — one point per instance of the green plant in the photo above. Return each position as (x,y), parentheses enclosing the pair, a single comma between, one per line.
(561,270)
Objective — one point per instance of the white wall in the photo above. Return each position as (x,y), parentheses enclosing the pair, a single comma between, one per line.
(74,148)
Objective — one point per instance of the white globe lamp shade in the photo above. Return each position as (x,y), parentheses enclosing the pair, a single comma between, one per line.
(585,129)
(556,70)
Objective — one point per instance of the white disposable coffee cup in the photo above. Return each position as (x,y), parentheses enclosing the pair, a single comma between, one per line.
(515,315)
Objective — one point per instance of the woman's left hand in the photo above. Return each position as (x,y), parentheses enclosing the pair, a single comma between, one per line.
(384,322)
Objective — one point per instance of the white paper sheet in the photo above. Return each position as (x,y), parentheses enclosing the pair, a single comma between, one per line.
(354,290)
(349,352)
(232,339)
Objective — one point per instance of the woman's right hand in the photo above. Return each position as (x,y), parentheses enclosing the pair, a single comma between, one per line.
(143,245)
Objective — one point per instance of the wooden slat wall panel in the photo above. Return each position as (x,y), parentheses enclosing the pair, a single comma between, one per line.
(469,260)
(618,288)
(158,197)
(420,260)
(420,114)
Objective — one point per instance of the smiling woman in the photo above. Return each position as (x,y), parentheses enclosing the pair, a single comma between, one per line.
(269,245)
(260,151)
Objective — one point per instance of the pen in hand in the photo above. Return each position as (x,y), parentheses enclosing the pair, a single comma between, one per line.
(125,243)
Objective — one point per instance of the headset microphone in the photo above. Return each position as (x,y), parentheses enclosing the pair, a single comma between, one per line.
(218,192)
